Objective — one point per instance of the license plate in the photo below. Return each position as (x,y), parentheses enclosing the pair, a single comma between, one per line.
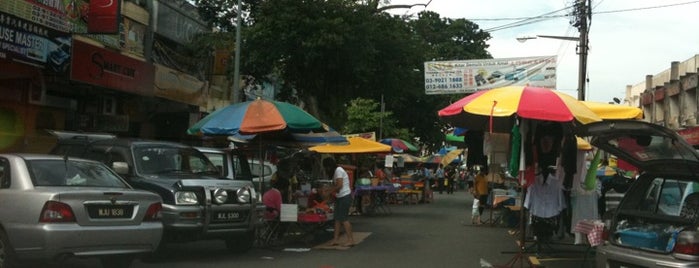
(110,212)
(227,216)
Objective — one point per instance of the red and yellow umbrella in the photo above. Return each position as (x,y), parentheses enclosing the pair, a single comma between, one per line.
(494,109)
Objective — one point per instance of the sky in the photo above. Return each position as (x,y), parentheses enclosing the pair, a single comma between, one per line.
(628,39)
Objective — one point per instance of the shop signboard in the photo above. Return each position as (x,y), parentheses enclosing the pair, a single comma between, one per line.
(178,21)
(178,86)
(104,16)
(30,43)
(468,76)
(102,67)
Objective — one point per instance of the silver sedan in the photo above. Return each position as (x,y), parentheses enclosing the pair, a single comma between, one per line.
(52,208)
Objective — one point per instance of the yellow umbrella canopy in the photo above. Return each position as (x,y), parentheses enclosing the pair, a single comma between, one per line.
(450,156)
(409,158)
(612,111)
(356,145)
(583,144)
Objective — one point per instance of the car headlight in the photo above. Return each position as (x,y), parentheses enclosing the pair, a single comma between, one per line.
(220,196)
(243,195)
(186,198)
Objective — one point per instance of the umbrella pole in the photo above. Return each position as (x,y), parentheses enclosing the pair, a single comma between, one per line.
(262,169)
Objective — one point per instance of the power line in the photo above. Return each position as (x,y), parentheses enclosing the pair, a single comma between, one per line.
(529,20)
(645,8)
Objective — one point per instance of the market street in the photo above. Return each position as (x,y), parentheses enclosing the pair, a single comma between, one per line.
(423,235)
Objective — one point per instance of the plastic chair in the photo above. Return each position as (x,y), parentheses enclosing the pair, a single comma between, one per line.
(268,231)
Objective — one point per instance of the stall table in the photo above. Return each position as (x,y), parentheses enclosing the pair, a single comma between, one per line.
(378,196)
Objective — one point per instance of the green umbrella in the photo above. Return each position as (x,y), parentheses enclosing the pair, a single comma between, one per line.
(453,138)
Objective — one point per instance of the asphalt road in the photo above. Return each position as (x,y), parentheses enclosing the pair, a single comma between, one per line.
(439,234)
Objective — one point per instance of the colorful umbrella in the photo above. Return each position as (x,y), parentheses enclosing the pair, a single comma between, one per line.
(356,145)
(399,145)
(612,111)
(452,156)
(432,159)
(255,117)
(494,109)
(409,158)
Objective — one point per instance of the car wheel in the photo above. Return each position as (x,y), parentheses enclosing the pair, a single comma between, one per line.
(117,261)
(241,243)
(7,254)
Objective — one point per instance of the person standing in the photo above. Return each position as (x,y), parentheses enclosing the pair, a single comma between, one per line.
(343,200)
(440,178)
(451,180)
(481,191)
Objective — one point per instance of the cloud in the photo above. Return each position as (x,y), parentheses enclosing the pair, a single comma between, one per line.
(625,46)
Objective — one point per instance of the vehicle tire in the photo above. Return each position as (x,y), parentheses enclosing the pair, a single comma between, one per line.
(7,254)
(241,243)
(117,261)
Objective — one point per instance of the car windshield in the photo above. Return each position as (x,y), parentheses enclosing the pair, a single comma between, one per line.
(57,172)
(158,160)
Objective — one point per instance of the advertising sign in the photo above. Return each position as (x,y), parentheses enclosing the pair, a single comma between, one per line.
(33,44)
(468,76)
(178,21)
(104,16)
(101,67)
(178,86)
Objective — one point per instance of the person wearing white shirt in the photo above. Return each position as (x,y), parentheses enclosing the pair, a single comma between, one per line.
(343,201)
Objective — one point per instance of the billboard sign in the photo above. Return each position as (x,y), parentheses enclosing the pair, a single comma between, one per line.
(468,76)
(102,67)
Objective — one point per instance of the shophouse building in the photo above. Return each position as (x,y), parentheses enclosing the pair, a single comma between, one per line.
(57,71)
(670,98)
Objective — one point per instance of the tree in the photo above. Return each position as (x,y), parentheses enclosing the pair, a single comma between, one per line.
(364,115)
(326,53)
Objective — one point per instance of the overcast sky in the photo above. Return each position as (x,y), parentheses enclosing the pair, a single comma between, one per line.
(628,39)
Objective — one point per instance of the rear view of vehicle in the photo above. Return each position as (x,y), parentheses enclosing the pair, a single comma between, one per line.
(656,223)
(73,208)
(197,202)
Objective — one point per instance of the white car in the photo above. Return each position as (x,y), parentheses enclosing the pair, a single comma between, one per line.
(54,207)
(262,173)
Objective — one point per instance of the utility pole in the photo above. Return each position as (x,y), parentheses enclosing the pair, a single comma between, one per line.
(584,13)
(236,71)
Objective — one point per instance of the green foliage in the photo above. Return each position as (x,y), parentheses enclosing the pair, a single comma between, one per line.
(339,57)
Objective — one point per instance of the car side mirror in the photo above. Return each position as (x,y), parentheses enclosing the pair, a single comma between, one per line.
(121,168)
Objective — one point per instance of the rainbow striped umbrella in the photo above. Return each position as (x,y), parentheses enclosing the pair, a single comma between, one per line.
(257,117)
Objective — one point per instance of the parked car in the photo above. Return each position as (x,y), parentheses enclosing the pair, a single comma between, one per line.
(234,164)
(198,202)
(656,223)
(262,173)
(52,208)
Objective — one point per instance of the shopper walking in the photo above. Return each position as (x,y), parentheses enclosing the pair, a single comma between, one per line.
(440,178)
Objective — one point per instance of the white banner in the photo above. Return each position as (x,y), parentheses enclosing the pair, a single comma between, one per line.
(468,76)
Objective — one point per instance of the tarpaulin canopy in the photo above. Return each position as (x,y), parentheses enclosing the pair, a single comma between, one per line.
(356,145)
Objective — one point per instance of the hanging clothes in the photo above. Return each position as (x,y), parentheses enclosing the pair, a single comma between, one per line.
(545,200)
(583,202)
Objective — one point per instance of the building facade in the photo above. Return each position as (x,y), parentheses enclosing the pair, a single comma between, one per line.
(670,98)
(57,73)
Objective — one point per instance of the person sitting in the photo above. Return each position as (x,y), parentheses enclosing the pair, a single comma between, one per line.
(272,199)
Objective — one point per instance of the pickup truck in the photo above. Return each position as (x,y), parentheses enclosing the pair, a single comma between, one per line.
(198,203)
